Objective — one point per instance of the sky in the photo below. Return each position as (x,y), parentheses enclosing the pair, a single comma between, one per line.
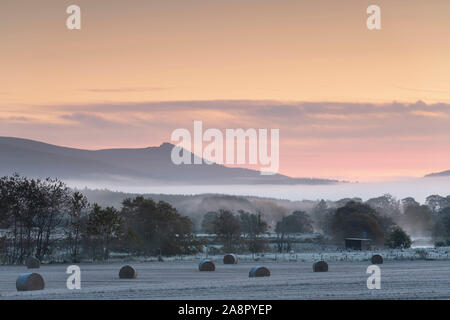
(350,103)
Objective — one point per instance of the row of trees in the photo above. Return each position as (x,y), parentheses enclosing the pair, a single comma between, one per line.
(244,230)
(353,219)
(429,219)
(385,220)
(30,213)
(241,231)
(44,218)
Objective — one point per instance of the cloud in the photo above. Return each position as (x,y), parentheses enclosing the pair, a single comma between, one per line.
(128,89)
(326,120)
(92,121)
(18,119)
(422,90)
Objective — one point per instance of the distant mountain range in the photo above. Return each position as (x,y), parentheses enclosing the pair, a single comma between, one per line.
(439,174)
(146,165)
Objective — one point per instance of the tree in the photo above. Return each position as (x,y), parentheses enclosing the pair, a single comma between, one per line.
(344,201)
(208,222)
(322,215)
(354,220)
(78,206)
(297,222)
(50,217)
(388,210)
(409,202)
(11,216)
(398,238)
(159,227)
(436,203)
(32,211)
(386,204)
(252,225)
(418,220)
(227,229)
(441,228)
(104,226)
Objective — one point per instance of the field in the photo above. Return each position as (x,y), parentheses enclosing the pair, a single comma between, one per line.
(405,279)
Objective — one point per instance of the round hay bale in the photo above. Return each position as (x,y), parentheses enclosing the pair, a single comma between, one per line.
(32,263)
(259,272)
(30,282)
(320,266)
(127,272)
(376,259)
(206,265)
(230,259)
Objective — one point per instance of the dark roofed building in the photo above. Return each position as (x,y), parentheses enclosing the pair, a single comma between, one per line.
(358,243)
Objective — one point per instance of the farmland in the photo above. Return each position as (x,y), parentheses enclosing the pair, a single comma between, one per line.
(400,279)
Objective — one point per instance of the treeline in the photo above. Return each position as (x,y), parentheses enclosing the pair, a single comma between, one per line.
(237,232)
(386,220)
(243,231)
(45,219)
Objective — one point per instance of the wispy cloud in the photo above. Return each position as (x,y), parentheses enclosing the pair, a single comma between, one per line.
(126,89)
(16,119)
(325,120)
(91,120)
(423,90)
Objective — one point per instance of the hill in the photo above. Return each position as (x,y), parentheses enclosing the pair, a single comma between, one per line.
(150,165)
(438,174)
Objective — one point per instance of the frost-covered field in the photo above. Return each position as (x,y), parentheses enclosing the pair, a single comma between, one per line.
(400,279)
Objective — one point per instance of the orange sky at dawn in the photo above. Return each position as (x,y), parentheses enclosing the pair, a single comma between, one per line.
(350,103)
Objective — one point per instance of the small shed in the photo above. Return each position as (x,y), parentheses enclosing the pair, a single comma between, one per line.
(358,243)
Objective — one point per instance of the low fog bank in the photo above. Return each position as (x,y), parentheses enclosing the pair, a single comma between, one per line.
(418,188)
